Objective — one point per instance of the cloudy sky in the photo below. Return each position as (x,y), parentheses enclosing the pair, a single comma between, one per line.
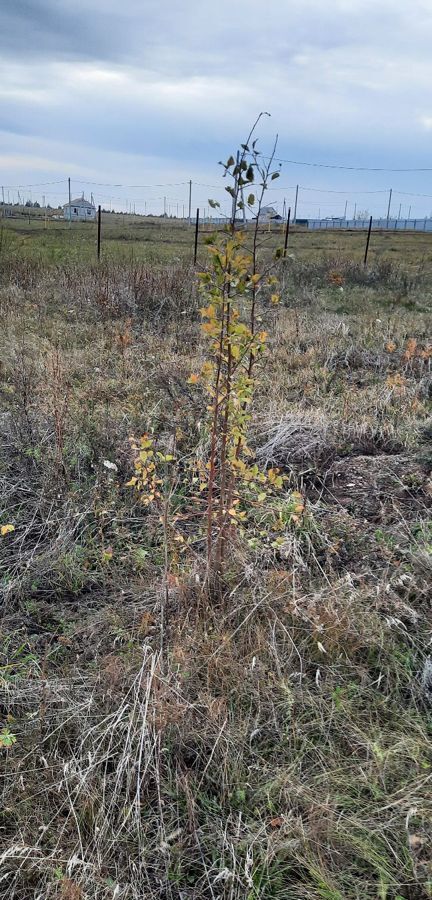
(149,94)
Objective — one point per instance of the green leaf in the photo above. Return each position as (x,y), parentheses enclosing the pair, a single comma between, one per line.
(275,175)
(213,203)
(250,174)
(251,199)
(230,162)
(7,739)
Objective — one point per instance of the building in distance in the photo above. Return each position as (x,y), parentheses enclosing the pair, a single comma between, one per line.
(80,210)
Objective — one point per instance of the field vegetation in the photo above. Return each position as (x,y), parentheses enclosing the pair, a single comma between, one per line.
(135,238)
(180,721)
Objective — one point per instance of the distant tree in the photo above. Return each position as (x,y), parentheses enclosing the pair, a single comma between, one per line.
(29,203)
(36,205)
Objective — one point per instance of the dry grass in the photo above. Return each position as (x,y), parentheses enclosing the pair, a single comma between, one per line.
(276,745)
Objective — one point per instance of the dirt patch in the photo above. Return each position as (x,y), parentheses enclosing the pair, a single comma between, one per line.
(379,488)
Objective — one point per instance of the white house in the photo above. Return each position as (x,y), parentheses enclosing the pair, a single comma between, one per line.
(269,214)
(80,210)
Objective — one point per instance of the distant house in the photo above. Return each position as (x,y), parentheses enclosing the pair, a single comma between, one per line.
(80,210)
(269,214)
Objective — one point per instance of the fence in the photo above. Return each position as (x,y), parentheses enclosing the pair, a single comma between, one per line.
(363,224)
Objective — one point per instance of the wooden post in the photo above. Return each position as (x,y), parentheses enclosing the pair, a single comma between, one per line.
(190,204)
(295,205)
(196,237)
(368,241)
(99,233)
(389,205)
(287,230)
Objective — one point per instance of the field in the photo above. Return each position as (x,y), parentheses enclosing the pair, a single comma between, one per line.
(272,742)
(128,238)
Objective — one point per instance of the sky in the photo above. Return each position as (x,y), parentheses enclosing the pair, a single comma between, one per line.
(150,95)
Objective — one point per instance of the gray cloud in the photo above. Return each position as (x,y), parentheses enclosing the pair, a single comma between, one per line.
(154,85)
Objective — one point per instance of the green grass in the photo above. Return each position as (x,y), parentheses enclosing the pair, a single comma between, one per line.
(127,238)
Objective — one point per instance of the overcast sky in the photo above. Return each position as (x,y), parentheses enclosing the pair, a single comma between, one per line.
(141,92)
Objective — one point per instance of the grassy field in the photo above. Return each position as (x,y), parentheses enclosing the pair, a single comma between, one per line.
(136,238)
(273,744)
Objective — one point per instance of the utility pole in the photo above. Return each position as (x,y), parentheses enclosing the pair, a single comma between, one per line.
(284,210)
(70,203)
(190,203)
(399,213)
(3,203)
(389,205)
(346,207)
(355,211)
(295,205)
(164,207)
(409,213)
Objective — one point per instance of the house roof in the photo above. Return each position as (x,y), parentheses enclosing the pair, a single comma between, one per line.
(268,212)
(80,201)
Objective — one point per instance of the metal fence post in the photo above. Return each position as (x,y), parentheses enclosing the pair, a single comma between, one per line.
(287,231)
(99,233)
(368,241)
(196,237)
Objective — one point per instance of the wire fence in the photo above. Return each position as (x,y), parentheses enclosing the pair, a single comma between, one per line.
(180,199)
(363,224)
(50,234)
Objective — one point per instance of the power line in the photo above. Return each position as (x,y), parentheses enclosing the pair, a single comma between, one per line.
(287,187)
(132,186)
(37,184)
(316,165)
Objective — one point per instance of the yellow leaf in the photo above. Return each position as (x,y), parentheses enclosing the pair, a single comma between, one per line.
(208,312)
(193,379)
(6,529)
(275,298)
(255,278)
